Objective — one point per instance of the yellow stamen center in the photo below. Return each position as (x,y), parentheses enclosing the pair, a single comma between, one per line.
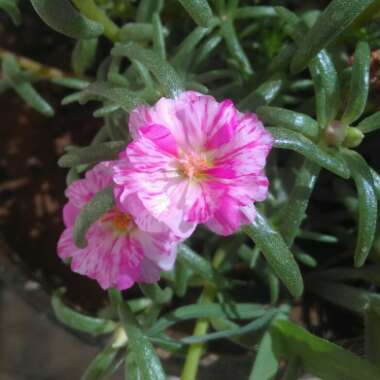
(121,222)
(194,166)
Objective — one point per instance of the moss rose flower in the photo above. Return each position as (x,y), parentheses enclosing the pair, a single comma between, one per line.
(194,160)
(118,253)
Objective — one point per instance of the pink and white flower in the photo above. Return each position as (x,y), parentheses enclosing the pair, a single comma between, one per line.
(118,253)
(194,160)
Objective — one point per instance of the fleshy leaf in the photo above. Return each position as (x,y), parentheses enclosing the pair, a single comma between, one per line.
(299,122)
(370,123)
(18,81)
(83,55)
(199,10)
(359,86)
(100,365)
(126,99)
(326,85)
(165,74)
(91,154)
(78,321)
(10,6)
(319,357)
(336,17)
(276,253)
(90,213)
(146,358)
(61,16)
(367,205)
(287,139)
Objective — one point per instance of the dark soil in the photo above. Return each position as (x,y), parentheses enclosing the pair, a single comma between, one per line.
(31,184)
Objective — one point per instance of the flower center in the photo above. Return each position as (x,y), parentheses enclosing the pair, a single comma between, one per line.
(193,166)
(120,222)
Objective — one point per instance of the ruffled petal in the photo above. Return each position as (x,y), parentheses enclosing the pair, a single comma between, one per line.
(98,178)
(111,260)
(141,216)
(66,247)
(160,248)
(70,213)
(138,118)
(150,272)
(247,151)
(79,193)
(229,218)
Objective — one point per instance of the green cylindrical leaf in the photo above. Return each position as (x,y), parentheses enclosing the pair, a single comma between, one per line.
(99,366)
(10,6)
(132,371)
(274,286)
(146,358)
(83,55)
(91,154)
(255,325)
(126,99)
(156,294)
(73,83)
(199,10)
(281,61)
(320,357)
(182,59)
(209,311)
(266,362)
(106,110)
(75,97)
(276,253)
(72,175)
(368,273)
(258,11)
(337,16)
(299,122)
(100,203)
(147,8)
(168,78)
(206,49)
(326,85)
(78,321)
(367,205)
(287,139)
(61,16)
(263,95)
(306,259)
(376,182)
(182,276)
(348,297)
(136,31)
(168,344)
(14,76)
(316,236)
(233,44)
(359,86)
(158,37)
(198,264)
(370,123)
(294,210)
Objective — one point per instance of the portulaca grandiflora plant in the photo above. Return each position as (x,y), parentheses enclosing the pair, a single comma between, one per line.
(226,178)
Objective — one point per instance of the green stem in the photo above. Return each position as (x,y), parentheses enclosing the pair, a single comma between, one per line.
(34,67)
(194,352)
(89,9)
